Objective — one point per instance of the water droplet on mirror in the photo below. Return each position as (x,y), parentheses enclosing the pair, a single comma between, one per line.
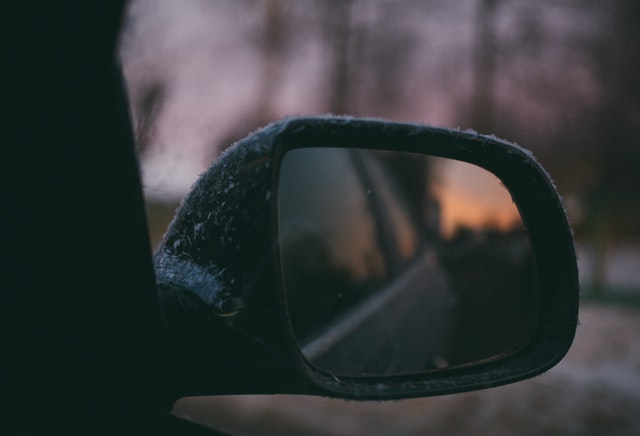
(198,228)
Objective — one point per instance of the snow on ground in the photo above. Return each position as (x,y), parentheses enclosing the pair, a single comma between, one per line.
(621,268)
(594,390)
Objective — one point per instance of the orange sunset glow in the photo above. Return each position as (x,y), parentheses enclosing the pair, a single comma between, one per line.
(472,197)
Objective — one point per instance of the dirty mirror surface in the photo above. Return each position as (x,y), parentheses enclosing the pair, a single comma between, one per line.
(398,263)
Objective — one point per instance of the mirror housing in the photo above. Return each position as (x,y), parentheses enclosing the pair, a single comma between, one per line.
(220,281)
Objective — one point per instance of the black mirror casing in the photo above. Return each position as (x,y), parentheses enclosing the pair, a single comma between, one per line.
(220,285)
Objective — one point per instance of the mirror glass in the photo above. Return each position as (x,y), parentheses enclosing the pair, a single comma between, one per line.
(398,263)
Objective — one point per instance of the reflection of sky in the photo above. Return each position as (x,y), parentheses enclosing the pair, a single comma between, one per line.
(471,196)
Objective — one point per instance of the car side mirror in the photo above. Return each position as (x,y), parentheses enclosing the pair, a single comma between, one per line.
(369,260)
(400,263)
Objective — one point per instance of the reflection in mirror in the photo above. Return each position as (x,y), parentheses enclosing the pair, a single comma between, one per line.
(397,263)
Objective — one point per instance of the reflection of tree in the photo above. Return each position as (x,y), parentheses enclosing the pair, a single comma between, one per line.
(491,272)
(318,287)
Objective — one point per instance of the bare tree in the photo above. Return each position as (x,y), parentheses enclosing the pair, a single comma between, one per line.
(272,46)
(614,202)
(272,58)
(369,49)
(484,56)
(147,106)
(338,32)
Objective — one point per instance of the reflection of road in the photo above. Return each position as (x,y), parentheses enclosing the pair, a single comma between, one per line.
(403,328)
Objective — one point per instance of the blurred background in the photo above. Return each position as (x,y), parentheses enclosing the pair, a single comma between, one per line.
(561,78)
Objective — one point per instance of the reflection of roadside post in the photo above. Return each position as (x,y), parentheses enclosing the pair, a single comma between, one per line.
(412,174)
(432,218)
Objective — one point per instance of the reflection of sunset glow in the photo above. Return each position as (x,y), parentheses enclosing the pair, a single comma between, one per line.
(472,197)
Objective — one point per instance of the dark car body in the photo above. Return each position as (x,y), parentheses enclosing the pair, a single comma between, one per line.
(81,326)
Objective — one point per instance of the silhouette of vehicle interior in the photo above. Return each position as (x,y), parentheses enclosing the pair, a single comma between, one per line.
(98,334)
